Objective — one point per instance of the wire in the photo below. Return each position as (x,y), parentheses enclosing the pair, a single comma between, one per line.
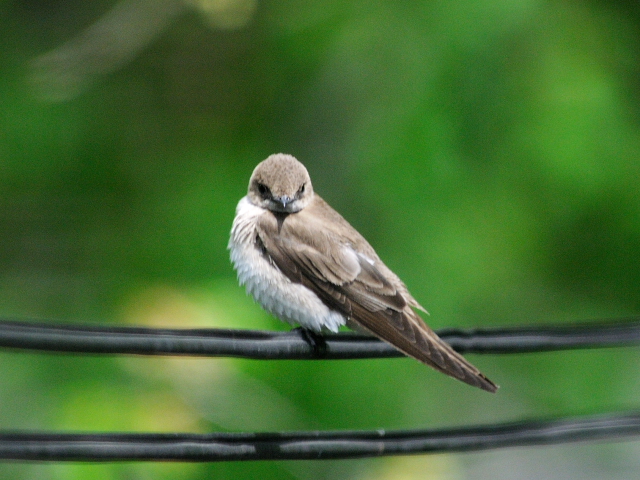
(292,345)
(111,447)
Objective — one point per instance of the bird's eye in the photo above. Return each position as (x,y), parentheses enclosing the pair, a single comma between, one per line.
(301,189)
(263,189)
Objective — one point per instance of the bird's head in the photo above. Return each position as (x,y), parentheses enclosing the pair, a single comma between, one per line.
(280,184)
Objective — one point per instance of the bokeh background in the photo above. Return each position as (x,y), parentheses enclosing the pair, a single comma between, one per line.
(488,149)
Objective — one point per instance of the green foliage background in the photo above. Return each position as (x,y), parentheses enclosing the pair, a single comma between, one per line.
(487,149)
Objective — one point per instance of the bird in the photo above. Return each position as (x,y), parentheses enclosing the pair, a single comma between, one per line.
(306,265)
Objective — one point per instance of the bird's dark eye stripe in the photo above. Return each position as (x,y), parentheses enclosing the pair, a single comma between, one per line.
(301,189)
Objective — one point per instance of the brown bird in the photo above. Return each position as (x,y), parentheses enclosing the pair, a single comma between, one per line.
(303,263)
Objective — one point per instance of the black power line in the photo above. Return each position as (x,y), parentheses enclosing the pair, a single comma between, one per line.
(108,447)
(292,345)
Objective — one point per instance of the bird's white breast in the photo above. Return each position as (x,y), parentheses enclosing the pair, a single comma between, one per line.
(290,302)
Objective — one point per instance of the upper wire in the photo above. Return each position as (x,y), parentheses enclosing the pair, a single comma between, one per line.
(292,345)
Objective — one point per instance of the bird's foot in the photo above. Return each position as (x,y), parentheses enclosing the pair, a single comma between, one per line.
(316,341)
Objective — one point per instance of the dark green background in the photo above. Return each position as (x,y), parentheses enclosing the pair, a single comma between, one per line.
(489,151)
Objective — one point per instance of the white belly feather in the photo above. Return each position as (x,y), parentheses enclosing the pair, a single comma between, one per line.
(290,302)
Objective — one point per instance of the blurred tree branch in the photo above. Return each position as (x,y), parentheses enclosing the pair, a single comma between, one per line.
(118,37)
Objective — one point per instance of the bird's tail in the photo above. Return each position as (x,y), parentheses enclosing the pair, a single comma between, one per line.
(406,331)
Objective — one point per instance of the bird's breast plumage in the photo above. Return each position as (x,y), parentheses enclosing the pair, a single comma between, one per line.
(291,302)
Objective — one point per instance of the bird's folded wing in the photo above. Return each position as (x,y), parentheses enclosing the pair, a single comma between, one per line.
(349,282)
(330,267)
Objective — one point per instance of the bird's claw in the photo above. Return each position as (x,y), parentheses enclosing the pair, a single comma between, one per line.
(316,341)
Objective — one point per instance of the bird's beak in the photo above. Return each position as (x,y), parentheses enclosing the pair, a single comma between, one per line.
(284,200)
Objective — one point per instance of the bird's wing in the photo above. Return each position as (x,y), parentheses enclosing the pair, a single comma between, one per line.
(349,282)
